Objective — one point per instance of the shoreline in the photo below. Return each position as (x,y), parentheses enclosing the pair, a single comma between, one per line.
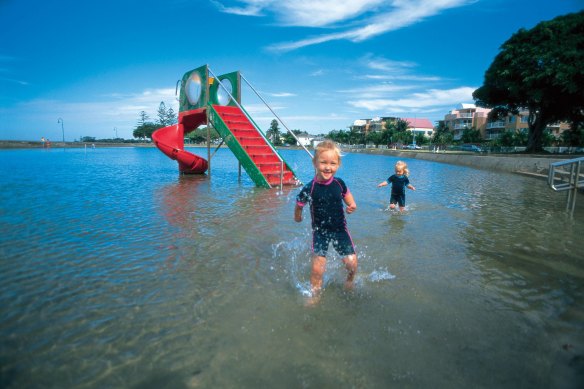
(532,165)
(31,144)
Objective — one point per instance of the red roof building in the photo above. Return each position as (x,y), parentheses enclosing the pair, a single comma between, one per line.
(420,126)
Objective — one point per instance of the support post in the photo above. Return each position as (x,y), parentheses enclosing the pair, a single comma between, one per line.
(208,146)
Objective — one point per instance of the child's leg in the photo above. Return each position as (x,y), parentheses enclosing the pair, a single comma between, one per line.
(402,203)
(392,201)
(318,268)
(351,263)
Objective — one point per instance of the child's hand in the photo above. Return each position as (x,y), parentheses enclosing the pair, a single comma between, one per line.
(298,214)
(351,208)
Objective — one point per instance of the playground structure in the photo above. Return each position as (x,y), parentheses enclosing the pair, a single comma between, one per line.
(216,101)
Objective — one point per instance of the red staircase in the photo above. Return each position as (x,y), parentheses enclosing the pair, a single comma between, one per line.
(263,156)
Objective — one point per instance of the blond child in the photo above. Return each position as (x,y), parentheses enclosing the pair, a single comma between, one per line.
(399,182)
(326,194)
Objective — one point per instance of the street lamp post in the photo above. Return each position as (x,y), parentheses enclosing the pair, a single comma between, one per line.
(116,131)
(60,120)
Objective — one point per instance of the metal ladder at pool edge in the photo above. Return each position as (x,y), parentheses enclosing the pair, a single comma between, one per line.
(567,175)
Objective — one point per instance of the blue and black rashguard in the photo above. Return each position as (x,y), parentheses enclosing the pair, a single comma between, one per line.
(398,189)
(329,224)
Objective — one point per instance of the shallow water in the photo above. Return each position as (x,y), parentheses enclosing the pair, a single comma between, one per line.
(117,272)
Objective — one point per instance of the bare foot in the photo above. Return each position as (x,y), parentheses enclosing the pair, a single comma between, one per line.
(313,299)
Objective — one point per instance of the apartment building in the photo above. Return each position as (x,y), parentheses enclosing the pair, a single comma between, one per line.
(516,123)
(470,116)
(467,116)
(367,125)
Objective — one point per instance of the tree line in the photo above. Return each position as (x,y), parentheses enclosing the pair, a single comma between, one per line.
(164,117)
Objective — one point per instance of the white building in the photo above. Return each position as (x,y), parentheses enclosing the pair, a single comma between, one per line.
(305,139)
(420,126)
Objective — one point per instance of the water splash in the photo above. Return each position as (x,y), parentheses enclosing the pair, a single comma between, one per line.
(289,255)
(380,275)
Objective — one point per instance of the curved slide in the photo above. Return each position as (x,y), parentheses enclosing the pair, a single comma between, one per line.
(170,140)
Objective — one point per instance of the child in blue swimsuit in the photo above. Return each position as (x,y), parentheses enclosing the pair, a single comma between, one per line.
(326,194)
(399,182)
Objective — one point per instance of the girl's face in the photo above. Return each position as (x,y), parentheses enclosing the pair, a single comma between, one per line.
(326,165)
(399,169)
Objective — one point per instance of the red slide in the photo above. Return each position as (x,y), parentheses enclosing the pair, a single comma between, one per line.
(170,140)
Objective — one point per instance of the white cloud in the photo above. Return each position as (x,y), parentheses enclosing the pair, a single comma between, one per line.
(376,91)
(282,94)
(387,65)
(356,20)
(306,13)
(251,8)
(416,101)
(13,81)
(388,77)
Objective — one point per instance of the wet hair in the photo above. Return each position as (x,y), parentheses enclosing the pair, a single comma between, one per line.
(404,167)
(327,145)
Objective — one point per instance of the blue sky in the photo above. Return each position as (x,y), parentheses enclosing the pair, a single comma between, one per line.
(320,64)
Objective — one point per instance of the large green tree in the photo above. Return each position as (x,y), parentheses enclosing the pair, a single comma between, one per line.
(541,70)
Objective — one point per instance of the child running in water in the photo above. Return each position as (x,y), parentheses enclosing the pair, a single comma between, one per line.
(399,182)
(325,194)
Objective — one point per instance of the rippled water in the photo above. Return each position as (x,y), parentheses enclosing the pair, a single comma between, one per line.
(117,272)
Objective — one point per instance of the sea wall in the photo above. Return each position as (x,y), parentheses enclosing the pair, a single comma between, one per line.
(517,163)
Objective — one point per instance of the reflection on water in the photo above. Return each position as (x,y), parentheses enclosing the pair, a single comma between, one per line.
(116,271)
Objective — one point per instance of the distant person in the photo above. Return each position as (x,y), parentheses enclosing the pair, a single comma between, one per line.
(43,142)
(326,194)
(399,182)
(48,143)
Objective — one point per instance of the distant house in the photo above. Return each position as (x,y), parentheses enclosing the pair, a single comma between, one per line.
(305,139)
(420,126)
(316,141)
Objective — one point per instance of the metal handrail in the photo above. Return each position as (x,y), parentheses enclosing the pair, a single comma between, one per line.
(276,115)
(571,169)
(255,126)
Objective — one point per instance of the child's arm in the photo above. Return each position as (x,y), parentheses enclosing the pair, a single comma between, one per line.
(350,201)
(298,213)
(384,183)
(410,186)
